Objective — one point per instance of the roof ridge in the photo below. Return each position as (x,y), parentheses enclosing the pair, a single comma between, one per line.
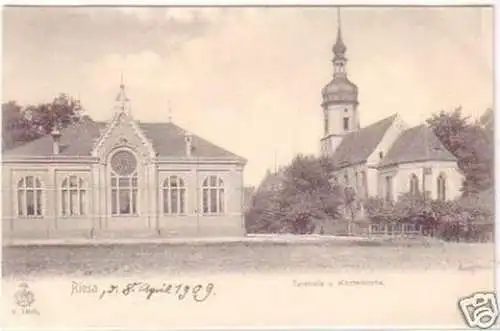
(357,146)
(391,118)
(416,144)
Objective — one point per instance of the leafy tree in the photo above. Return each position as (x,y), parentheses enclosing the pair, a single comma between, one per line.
(304,199)
(16,129)
(23,124)
(308,194)
(61,112)
(261,216)
(471,143)
(487,122)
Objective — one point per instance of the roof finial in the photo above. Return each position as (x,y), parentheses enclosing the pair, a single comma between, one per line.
(339,48)
(338,19)
(122,99)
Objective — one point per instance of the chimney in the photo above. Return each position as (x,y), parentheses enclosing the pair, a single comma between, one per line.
(189,143)
(56,136)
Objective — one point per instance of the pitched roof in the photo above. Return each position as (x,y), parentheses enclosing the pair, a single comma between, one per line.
(417,144)
(357,146)
(78,140)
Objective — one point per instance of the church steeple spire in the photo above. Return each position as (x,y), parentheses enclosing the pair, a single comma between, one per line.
(340,99)
(339,50)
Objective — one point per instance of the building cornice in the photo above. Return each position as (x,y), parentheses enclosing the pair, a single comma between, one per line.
(200,160)
(50,159)
(58,159)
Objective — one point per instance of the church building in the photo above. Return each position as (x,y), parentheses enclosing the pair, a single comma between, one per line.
(385,159)
(124,178)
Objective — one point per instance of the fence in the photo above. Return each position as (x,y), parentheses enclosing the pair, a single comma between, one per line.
(394,230)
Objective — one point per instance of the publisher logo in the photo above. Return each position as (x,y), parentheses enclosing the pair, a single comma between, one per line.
(480,309)
(24,299)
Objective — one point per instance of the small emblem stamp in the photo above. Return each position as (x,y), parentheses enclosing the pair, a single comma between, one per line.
(24,299)
(480,309)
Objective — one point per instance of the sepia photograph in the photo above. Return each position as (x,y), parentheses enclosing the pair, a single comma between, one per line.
(248,166)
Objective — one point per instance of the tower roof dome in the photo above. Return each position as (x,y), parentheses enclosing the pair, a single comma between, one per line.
(340,90)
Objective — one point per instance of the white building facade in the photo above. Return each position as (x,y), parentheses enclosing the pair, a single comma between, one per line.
(121,179)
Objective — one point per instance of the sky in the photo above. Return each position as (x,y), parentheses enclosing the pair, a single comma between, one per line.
(250,79)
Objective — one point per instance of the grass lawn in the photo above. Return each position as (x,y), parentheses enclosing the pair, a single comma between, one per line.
(239,258)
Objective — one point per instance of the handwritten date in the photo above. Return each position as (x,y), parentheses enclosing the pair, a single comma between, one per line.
(198,293)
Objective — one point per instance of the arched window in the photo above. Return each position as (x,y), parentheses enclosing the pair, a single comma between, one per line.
(414,189)
(174,195)
(73,196)
(346,179)
(213,195)
(29,196)
(441,187)
(123,183)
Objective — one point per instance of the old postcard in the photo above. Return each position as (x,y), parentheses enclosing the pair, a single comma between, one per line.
(259,167)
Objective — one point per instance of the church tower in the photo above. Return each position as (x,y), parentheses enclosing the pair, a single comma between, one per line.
(340,100)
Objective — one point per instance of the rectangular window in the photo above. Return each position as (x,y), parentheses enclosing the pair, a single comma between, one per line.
(134,202)
(346,123)
(221,200)
(166,201)
(174,202)
(73,203)
(124,182)
(213,200)
(181,198)
(38,203)
(64,202)
(30,203)
(388,190)
(124,202)
(20,203)
(114,200)
(82,202)
(205,201)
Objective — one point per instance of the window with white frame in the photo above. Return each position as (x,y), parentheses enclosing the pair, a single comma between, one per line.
(124,186)
(73,196)
(441,187)
(213,195)
(29,196)
(174,195)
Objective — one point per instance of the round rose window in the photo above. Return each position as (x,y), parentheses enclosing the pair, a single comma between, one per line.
(123,163)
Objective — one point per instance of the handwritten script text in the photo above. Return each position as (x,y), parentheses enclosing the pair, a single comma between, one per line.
(198,292)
